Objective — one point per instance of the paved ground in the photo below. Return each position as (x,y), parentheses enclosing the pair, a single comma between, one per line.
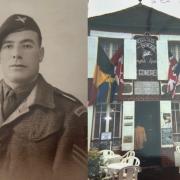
(159,173)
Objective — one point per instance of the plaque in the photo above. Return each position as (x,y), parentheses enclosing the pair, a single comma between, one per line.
(106,136)
(146,88)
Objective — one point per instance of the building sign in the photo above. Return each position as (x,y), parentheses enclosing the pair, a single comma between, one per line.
(146,57)
(106,136)
(146,88)
(166,137)
(166,124)
(128,126)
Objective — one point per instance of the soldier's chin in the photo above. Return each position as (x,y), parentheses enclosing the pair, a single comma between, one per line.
(19,79)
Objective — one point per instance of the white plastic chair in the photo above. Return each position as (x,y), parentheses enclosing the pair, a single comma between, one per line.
(106,153)
(131,161)
(128,154)
(119,159)
(128,169)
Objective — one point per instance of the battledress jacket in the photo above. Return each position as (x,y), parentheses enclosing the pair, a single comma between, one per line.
(45,137)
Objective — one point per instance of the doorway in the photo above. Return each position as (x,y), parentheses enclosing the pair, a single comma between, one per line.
(148,114)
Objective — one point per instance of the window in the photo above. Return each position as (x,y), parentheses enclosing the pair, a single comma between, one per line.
(110,45)
(107,118)
(174,48)
(176,121)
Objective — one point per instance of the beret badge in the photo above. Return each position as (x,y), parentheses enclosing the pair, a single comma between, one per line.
(21,19)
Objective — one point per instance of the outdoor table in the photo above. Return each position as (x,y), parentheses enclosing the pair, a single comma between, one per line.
(127,170)
(111,157)
(116,167)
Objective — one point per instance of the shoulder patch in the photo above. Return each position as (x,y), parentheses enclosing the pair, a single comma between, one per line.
(80,110)
(69,97)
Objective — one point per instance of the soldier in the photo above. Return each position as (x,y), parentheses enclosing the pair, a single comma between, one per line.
(42,129)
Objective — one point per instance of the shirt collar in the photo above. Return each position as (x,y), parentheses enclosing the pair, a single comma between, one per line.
(5,89)
(20,90)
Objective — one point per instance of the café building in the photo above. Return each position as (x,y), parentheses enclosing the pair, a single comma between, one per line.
(146,37)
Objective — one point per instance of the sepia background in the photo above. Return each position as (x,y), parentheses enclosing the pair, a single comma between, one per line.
(64,31)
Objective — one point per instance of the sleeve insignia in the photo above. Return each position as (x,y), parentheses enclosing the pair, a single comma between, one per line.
(80,110)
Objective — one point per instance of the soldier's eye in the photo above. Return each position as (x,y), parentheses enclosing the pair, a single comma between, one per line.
(7,46)
(27,46)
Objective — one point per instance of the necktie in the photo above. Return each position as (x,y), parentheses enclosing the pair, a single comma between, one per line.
(9,103)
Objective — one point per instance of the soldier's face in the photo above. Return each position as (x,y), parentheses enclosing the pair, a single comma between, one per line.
(20,56)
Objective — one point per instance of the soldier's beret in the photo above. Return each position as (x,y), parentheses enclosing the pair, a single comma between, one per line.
(18,22)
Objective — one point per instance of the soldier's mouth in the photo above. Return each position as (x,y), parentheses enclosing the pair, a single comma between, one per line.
(18,66)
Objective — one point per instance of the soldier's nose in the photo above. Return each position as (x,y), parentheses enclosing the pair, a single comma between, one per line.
(17,57)
(16,54)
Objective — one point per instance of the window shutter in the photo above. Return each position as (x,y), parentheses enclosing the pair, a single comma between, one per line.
(92,55)
(90,125)
(162,59)
(130,70)
(128,126)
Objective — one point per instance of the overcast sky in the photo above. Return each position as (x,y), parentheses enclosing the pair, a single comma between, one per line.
(98,7)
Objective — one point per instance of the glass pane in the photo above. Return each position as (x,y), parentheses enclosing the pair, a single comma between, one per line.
(177,106)
(104,107)
(118,107)
(173,120)
(113,108)
(103,122)
(97,124)
(115,48)
(106,47)
(117,125)
(111,123)
(116,142)
(98,108)
(178,122)
(178,127)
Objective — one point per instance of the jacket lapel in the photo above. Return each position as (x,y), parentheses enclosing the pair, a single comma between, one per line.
(42,94)
(22,109)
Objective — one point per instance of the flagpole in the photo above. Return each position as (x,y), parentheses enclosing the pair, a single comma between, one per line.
(109,91)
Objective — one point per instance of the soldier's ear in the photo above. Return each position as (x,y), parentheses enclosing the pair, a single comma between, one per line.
(41,54)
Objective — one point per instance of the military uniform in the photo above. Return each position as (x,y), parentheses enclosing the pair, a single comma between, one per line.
(45,137)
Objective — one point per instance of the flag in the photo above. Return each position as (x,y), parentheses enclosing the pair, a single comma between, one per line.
(176,70)
(172,77)
(106,92)
(104,63)
(117,61)
(103,79)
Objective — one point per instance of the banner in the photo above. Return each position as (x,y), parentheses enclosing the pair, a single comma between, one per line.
(146,57)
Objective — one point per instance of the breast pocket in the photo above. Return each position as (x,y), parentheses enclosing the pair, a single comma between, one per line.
(39,127)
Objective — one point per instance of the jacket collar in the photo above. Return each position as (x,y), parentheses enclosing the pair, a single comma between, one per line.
(42,94)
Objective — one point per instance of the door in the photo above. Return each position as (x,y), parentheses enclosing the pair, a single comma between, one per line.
(147,116)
